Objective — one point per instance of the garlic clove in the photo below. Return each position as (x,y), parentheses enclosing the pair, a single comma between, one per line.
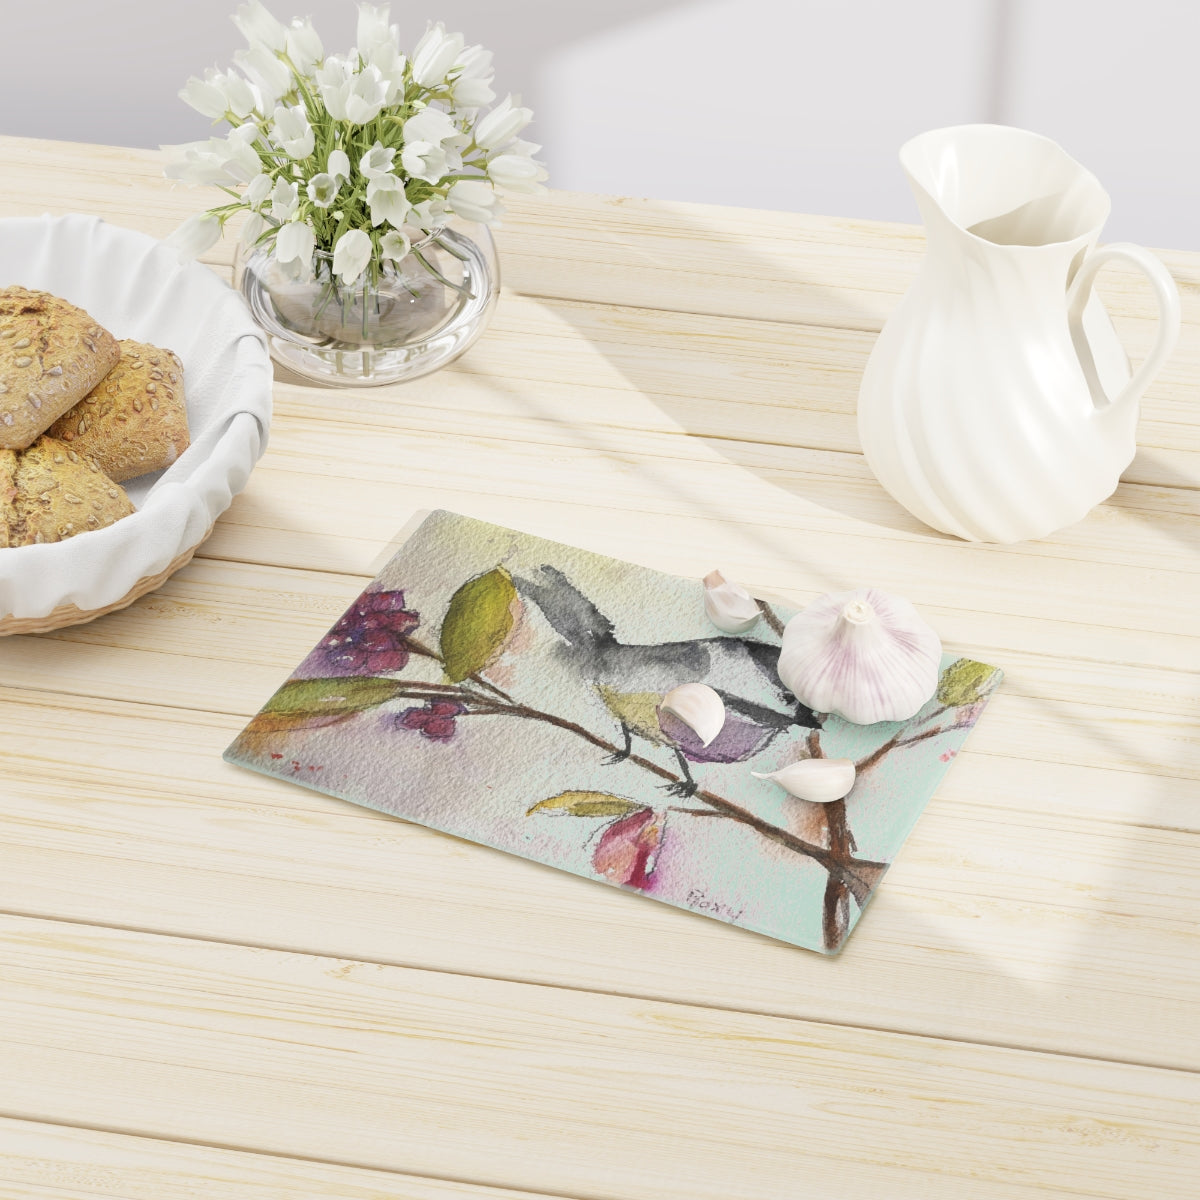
(818,780)
(729,606)
(698,707)
(865,655)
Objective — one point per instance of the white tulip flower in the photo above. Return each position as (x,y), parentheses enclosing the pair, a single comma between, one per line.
(334,79)
(525,149)
(322,189)
(338,165)
(429,214)
(268,73)
(351,255)
(387,201)
(373,30)
(292,132)
(390,63)
(252,228)
(435,54)
(304,46)
(431,125)
(204,97)
(295,241)
(259,190)
(395,244)
(197,162)
(474,199)
(471,88)
(240,98)
(195,235)
(259,27)
(502,124)
(516,173)
(216,160)
(284,199)
(241,158)
(247,134)
(424,160)
(366,97)
(377,161)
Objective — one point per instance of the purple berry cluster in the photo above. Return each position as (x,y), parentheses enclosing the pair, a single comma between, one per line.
(435,720)
(369,639)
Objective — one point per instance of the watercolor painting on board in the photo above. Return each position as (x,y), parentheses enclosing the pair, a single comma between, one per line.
(506,689)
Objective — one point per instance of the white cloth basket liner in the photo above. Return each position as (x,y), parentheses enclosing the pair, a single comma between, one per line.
(138,288)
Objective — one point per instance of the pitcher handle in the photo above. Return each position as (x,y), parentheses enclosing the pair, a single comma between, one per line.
(1169,317)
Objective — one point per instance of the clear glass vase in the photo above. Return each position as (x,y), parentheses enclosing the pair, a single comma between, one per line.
(416,316)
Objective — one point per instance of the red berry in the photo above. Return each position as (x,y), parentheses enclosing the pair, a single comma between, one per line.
(386,660)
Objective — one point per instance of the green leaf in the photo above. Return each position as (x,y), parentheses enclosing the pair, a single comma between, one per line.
(311,703)
(289,722)
(478,622)
(586,804)
(323,697)
(965,681)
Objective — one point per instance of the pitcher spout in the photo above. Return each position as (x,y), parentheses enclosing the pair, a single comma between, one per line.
(1005,187)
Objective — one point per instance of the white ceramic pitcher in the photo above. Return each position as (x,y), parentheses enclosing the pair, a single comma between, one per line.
(998,404)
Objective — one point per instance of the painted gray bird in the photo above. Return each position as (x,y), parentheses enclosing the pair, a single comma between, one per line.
(632,679)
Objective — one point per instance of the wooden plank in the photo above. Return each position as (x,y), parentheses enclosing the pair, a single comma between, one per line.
(611,250)
(221,636)
(59,1162)
(550,1089)
(995,926)
(741,380)
(316,500)
(558,247)
(759,432)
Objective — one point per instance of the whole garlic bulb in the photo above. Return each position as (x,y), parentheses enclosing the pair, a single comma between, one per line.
(865,655)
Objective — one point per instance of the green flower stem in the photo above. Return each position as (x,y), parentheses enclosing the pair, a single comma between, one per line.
(461,289)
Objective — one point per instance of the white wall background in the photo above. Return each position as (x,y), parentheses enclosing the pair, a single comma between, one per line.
(790,104)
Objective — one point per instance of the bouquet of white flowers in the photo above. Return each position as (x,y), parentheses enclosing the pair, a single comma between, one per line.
(363,156)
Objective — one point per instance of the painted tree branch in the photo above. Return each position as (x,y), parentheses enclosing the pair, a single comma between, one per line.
(858,875)
(848,875)
(768,614)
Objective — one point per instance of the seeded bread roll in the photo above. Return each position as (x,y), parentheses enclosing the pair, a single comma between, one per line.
(8,496)
(51,355)
(135,419)
(49,492)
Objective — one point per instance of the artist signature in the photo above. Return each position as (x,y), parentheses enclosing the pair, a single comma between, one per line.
(701,903)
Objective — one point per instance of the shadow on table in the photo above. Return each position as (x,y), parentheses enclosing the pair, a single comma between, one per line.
(1034,916)
(1181,522)
(1101,888)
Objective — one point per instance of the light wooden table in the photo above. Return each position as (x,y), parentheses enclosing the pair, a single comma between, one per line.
(213,984)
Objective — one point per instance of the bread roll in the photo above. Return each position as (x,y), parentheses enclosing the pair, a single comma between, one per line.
(51,355)
(135,419)
(50,492)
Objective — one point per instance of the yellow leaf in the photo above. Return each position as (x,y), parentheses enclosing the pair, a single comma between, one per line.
(965,681)
(585,804)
